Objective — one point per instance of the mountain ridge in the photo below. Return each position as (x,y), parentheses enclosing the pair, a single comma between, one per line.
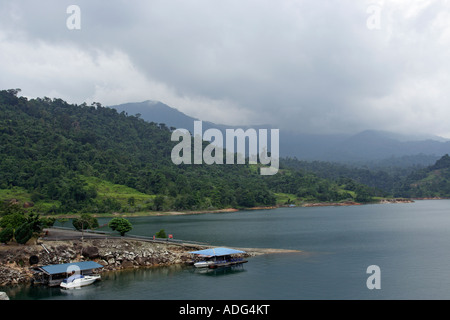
(360,148)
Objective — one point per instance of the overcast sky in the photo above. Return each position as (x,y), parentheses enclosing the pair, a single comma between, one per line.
(314,66)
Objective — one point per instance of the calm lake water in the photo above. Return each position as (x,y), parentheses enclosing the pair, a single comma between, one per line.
(410,243)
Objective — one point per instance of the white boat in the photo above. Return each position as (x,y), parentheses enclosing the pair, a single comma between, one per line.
(77,281)
(203,264)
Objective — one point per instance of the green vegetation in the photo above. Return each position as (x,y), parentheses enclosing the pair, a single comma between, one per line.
(6,234)
(432,181)
(63,158)
(124,197)
(60,158)
(381,181)
(295,186)
(90,159)
(371,184)
(161,234)
(84,222)
(120,225)
(23,233)
(19,225)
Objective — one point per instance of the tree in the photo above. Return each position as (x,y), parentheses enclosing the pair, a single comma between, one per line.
(6,234)
(363,195)
(24,233)
(62,221)
(13,220)
(161,234)
(120,225)
(34,221)
(10,208)
(131,201)
(159,203)
(86,221)
(47,222)
(245,198)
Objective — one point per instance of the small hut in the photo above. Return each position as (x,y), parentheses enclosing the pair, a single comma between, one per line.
(53,274)
(218,257)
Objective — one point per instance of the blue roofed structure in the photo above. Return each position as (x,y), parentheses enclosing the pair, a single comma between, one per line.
(218,257)
(53,274)
(216,252)
(68,267)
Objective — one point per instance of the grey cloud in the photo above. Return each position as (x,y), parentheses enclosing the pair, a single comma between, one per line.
(306,65)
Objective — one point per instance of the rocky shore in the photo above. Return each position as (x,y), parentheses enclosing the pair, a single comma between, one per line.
(112,253)
(396,200)
(353,203)
(329,204)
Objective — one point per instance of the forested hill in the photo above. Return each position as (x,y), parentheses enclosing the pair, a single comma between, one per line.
(404,182)
(432,181)
(65,158)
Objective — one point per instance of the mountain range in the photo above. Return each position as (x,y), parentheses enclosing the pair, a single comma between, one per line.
(370,147)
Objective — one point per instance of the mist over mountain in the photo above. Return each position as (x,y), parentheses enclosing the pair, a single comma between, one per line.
(370,147)
(158,112)
(365,147)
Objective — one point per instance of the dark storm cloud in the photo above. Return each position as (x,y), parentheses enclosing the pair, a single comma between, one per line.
(314,66)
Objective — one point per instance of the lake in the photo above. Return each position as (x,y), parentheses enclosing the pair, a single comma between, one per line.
(410,243)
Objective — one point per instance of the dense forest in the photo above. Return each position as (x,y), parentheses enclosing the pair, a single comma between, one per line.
(432,181)
(385,180)
(65,158)
(58,157)
(398,181)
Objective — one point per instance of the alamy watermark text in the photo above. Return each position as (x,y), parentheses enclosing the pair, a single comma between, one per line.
(214,152)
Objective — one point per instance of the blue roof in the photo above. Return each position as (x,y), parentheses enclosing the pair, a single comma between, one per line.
(65,267)
(217,252)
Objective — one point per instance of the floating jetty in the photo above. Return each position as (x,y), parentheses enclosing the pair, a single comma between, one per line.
(217,257)
(53,275)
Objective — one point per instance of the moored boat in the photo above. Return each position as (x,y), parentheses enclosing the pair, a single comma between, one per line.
(78,280)
(203,264)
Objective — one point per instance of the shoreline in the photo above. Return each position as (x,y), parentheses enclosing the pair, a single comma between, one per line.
(121,253)
(113,253)
(228,210)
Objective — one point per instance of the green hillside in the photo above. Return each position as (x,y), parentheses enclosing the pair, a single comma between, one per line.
(65,158)
(433,181)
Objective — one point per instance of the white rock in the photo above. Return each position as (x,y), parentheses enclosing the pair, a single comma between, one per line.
(3,296)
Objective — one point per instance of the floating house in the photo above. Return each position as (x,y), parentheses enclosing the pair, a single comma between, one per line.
(218,257)
(53,275)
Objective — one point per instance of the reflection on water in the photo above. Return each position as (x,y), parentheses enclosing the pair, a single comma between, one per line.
(222,271)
